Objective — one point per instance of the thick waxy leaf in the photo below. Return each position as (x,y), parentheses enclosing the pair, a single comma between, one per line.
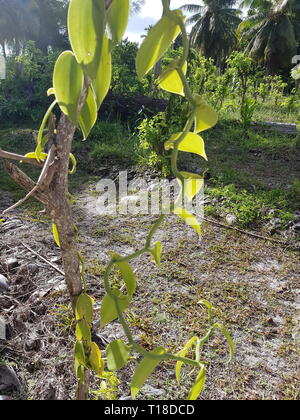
(189,219)
(117,354)
(128,276)
(156,253)
(157,42)
(33,155)
(84,308)
(83,331)
(171,81)
(102,81)
(67,83)
(144,370)
(117,18)
(205,117)
(95,359)
(193,184)
(191,143)
(79,353)
(41,141)
(55,234)
(228,337)
(198,385)
(108,309)
(183,353)
(86,25)
(79,371)
(88,115)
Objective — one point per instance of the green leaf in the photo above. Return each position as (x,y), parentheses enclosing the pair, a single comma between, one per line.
(183,353)
(33,155)
(67,83)
(193,184)
(85,308)
(144,370)
(171,81)
(205,116)
(88,115)
(117,18)
(79,353)
(55,234)
(198,385)
(156,252)
(159,39)
(86,25)
(40,138)
(50,92)
(191,143)
(128,276)
(95,359)
(83,331)
(117,354)
(79,371)
(108,309)
(74,163)
(102,81)
(228,338)
(189,219)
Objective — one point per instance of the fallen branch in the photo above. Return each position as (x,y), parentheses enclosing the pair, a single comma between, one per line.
(43,259)
(245,232)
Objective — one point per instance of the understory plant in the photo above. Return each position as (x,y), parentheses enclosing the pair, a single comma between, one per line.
(81,80)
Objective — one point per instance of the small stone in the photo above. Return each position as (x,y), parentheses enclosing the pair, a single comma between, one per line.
(4,286)
(231,219)
(12,263)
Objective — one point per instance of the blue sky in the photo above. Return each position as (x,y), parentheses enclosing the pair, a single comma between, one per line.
(150,13)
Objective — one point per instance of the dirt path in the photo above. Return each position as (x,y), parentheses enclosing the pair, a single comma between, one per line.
(253,285)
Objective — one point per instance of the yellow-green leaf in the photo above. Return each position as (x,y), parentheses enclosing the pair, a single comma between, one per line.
(55,234)
(193,183)
(183,353)
(171,81)
(83,331)
(205,116)
(102,81)
(79,353)
(144,370)
(128,276)
(88,115)
(67,83)
(189,219)
(86,25)
(228,338)
(95,359)
(108,309)
(74,163)
(156,253)
(33,155)
(198,385)
(117,18)
(191,143)
(85,308)
(40,144)
(117,354)
(159,39)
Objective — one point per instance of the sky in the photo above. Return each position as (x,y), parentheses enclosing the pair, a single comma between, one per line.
(150,14)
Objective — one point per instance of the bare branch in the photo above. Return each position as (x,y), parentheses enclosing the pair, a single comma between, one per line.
(19,158)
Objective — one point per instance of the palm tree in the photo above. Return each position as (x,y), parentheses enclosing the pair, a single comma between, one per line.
(213,28)
(271,31)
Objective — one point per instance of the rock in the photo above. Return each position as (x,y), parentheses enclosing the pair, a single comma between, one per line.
(231,219)
(150,390)
(4,286)
(11,263)
(8,380)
